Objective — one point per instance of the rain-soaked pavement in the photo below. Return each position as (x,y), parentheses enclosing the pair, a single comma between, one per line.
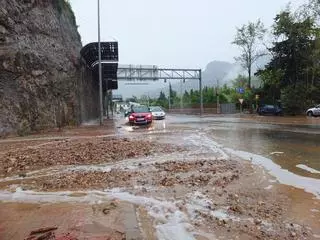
(287,148)
(292,143)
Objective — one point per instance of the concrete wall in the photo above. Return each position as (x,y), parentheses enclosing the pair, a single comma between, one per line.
(88,96)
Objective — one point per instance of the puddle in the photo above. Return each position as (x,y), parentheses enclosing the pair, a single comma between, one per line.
(170,222)
(287,148)
(284,176)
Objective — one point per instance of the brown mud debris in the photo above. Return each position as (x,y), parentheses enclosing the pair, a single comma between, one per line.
(43,230)
(42,234)
(76,152)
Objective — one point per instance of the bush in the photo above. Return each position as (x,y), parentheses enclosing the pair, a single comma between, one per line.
(294,99)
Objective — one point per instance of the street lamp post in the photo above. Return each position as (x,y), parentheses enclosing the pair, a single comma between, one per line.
(100,70)
(181,96)
(201,93)
(218,94)
(169,96)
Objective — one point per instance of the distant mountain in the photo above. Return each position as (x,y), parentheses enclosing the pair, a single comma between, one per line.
(215,71)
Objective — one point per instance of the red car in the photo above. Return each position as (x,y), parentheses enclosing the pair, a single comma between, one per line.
(140,115)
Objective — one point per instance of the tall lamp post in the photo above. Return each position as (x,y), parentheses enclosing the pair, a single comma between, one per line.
(169,97)
(218,94)
(100,68)
(181,94)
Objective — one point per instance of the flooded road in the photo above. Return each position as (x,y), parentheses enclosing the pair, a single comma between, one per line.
(285,146)
(207,187)
(292,143)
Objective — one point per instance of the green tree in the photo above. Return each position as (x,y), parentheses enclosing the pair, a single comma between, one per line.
(162,100)
(271,79)
(293,72)
(162,96)
(248,38)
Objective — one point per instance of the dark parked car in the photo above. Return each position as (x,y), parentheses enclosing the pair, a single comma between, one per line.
(140,115)
(269,110)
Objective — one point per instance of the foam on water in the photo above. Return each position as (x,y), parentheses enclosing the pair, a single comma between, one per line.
(170,222)
(309,169)
(205,143)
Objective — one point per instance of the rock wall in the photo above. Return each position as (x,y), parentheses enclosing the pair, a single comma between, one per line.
(39,65)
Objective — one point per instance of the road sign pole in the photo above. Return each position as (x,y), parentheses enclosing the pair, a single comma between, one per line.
(201,93)
(169,97)
(218,102)
(111,102)
(241,101)
(181,96)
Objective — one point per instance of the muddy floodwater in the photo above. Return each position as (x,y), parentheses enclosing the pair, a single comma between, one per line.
(291,142)
(185,177)
(293,148)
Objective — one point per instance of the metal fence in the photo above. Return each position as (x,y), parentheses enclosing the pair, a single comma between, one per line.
(225,108)
(228,108)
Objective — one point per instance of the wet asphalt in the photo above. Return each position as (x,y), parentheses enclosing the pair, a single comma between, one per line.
(293,143)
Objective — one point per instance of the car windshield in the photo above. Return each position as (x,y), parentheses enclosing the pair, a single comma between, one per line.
(156,109)
(269,106)
(141,109)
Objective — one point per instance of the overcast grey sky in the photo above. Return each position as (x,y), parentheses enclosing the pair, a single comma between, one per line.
(173,33)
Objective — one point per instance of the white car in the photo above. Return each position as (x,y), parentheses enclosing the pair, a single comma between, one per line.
(315,111)
(157,112)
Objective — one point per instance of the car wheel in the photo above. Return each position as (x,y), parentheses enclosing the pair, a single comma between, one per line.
(310,114)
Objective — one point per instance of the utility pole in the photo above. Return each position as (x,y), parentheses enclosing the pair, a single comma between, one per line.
(169,97)
(218,94)
(100,70)
(107,103)
(201,93)
(181,96)
(111,102)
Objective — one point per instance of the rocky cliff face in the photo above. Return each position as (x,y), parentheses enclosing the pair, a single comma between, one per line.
(39,65)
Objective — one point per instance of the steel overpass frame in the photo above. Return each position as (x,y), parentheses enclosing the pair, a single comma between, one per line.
(140,73)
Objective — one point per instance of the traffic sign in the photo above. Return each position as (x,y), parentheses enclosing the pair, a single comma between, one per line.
(241,100)
(240,90)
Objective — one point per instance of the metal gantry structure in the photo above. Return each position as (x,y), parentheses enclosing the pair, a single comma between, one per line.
(142,73)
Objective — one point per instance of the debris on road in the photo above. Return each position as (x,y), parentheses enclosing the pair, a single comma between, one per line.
(43,230)
(42,234)
(76,152)
(197,191)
